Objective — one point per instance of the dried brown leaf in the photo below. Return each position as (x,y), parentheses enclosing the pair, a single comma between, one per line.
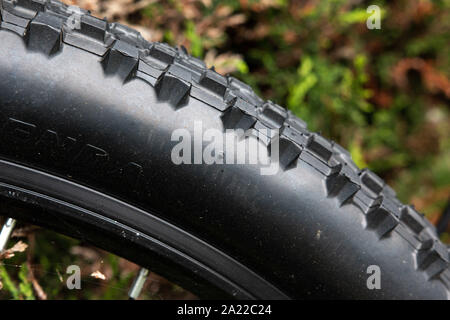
(224,63)
(235,20)
(9,253)
(434,80)
(223,11)
(207,3)
(98,275)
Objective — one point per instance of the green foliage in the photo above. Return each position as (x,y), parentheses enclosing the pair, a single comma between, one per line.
(25,287)
(8,284)
(194,39)
(50,256)
(23,290)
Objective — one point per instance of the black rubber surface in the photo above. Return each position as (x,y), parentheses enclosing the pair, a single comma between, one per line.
(64,205)
(97,106)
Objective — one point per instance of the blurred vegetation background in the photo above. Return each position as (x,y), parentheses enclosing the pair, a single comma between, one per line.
(383,93)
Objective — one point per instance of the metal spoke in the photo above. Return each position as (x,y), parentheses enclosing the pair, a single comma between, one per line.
(138,284)
(5,234)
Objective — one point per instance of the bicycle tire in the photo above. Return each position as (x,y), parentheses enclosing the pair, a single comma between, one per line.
(86,120)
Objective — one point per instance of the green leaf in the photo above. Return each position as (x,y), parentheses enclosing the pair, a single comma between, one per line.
(195,40)
(25,287)
(8,284)
(357,154)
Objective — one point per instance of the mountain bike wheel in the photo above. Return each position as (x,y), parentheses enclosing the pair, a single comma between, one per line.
(88,109)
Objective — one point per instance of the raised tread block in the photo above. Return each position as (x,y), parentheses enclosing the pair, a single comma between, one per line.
(433,260)
(195,63)
(417,242)
(35,5)
(288,153)
(239,85)
(417,222)
(320,147)
(327,169)
(12,27)
(173,90)
(340,187)
(294,135)
(412,219)
(265,130)
(145,77)
(383,218)
(244,91)
(180,72)
(272,115)
(121,61)
(126,49)
(194,71)
(245,106)
(209,86)
(149,70)
(24,8)
(160,55)
(350,169)
(346,192)
(127,34)
(350,172)
(344,155)
(196,66)
(373,183)
(264,133)
(15,20)
(45,33)
(93,28)
(86,32)
(364,202)
(234,118)
(213,82)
